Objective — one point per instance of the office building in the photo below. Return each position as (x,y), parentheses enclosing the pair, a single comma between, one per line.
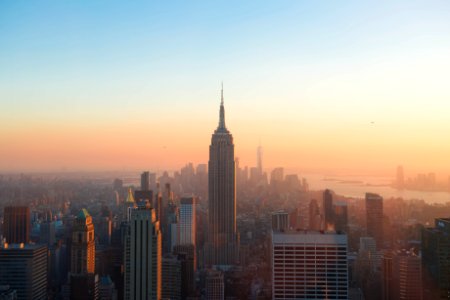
(214,285)
(280,221)
(47,234)
(315,219)
(187,256)
(436,260)
(142,257)
(83,281)
(340,217)
(171,278)
(7,293)
(24,268)
(16,224)
(401,276)
(223,242)
(187,221)
(374,217)
(309,265)
(328,210)
(107,290)
(83,244)
(145,181)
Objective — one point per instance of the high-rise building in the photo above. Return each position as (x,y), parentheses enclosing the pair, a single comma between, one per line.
(47,234)
(436,260)
(280,221)
(214,285)
(17,224)
(128,206)
(223,240)
(7,293)
(142,257)
(145,181)
(374,217)
(187,256)
(83,281)
(315,219)
(402,276)
(340,216)
(83,244)
(187,221)
(24,268)
(328,209)
(171,278)
(309,265)
(107,290)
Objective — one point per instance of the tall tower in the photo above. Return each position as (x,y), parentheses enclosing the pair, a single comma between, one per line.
(374,217)
(222,247)
(186,224)
(83,282)
(328,208)
(259,158)
(83,244)
(17,224)
(142,279)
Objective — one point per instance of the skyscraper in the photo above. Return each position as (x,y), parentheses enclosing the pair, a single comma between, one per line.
(280,221)
(436,260)
(142,258)
(309,265)
(17,224)
(328,209)
(340,216)
(214,285)
(145,181)
(374,217)
(82,280)
(222,247)
(186,224)
(315,218)
(24,269)
(83,244)
(402,276)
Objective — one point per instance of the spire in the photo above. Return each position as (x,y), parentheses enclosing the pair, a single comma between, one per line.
(222,112)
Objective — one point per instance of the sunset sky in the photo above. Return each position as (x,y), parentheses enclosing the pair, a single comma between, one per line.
(336,86)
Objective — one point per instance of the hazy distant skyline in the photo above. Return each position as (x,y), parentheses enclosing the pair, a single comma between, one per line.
(341,86)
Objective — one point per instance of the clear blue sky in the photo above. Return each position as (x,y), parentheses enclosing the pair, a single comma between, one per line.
(290,62)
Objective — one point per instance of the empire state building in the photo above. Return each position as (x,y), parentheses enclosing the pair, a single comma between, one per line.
(223,242)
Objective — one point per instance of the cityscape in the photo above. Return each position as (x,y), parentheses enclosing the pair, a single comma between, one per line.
(130,170)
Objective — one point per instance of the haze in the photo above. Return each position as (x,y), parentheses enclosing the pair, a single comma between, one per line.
(335,87)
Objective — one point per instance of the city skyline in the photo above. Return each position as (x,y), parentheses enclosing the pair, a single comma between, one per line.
(336,87)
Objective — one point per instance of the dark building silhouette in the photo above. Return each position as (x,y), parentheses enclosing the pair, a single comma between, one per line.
(374,217)
(17,224)
(436,260)
(187,257)
(24,269)
(145,181)
(328,208)
(340,216)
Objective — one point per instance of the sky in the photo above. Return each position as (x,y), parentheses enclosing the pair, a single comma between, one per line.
(324,86)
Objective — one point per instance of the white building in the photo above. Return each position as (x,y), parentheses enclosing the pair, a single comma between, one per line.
(309,265)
